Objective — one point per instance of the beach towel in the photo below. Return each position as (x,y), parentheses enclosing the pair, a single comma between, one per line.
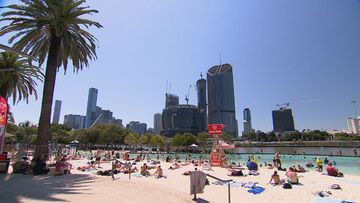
(235,184)
(138,175)
(255,173)
(256,190)
(250,184)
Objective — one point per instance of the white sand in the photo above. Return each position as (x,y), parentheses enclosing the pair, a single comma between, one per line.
(87,187)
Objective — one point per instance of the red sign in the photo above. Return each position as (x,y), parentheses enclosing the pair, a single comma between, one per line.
(215,129)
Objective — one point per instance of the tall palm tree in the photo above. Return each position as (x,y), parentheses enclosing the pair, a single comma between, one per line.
(52,30)
(19,81)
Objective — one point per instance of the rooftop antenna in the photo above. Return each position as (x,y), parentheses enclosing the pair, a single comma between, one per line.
(220,58)
(201,75)
(187,96)
(167,85)
(170,88)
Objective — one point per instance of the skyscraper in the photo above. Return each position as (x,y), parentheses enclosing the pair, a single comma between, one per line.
(57,109)
(247,122)
(201,94)
(353,126)
(91,107)
(157,123)
(221,106)
(283,120)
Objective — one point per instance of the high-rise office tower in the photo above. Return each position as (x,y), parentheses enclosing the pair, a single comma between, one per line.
(221,99)
(353,126)
(91,107)
(247,122)
(283,120)
(201,95)
(157,123)
(57,109)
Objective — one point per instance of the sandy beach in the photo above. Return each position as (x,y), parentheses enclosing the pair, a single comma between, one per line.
(88,187)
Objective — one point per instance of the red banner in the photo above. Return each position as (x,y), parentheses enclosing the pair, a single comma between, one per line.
(215,129)
(3,111)
(3,118)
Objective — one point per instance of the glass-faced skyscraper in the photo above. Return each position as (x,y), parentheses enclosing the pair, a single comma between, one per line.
(283,120)
(57,109)
(91,107)
(221,99)
(247,122)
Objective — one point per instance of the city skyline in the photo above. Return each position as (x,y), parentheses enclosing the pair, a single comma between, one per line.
(278,56)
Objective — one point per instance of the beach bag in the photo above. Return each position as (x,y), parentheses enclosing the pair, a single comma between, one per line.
(287,186)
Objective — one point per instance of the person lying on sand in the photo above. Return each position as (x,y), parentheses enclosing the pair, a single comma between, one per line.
(174,166)
(300,169)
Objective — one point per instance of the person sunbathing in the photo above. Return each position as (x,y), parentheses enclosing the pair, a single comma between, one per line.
(276,178)
(159,172)
(292,176)
(174,166)
(332,171)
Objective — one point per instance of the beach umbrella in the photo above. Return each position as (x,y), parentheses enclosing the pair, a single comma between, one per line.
(193,145)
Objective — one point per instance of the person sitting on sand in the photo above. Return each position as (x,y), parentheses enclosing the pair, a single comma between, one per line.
(234,172)
(319,164)
(332,171)
(144,170)
(252,166)
(174,166)
(159,172)
(276,178)
(292,176)
(300,169)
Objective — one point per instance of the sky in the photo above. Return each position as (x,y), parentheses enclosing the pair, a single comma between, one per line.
(305,52)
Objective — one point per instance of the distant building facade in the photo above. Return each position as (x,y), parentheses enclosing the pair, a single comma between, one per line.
(221,99)
(74,121)
(247,122)
(57,109)
(91,107)
(283,120)
(137,127)
(157,123)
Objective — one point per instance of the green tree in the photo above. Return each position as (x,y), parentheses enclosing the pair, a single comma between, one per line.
(203,138)
(60,133)
(52,30)
(26,132)
(227,137)
(132,139)
(189,139)
(20,80)
(177,140)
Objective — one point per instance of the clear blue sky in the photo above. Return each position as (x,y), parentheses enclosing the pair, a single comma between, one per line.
(304,52)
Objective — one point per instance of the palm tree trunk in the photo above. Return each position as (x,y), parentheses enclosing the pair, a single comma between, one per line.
(41,148)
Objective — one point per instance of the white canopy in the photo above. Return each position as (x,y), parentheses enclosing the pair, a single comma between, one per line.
(193,145)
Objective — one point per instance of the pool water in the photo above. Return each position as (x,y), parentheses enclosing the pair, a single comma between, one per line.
(347,165)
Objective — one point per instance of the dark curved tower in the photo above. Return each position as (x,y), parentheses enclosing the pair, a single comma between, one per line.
(221,98)
(201,95)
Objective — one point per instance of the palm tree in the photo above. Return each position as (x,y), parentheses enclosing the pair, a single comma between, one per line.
(20,79)
(52,30)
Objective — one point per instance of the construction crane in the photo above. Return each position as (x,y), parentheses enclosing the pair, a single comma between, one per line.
(187,96)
